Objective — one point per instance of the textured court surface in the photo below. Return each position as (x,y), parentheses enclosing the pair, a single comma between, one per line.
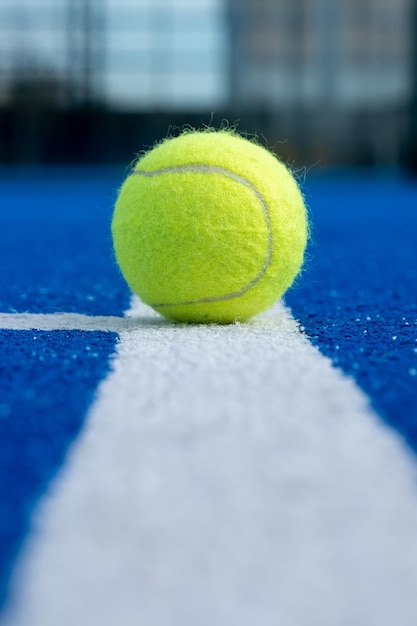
(231,471)
(358,297)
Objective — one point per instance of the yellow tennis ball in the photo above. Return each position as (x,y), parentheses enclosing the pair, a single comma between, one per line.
(209,227)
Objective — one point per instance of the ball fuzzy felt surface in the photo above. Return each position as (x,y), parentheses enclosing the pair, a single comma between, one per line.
(209,227)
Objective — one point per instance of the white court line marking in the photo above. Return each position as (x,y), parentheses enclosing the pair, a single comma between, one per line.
(76,321)
(71,321)
(226,476)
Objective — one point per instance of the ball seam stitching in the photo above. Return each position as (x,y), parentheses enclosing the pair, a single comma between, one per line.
(213,169)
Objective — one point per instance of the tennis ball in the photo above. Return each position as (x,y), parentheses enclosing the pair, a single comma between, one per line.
(209,227)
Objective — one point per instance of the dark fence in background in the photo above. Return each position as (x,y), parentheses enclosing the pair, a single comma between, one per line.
(300,137)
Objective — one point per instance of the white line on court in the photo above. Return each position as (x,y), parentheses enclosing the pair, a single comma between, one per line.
(226,476)
(70,321)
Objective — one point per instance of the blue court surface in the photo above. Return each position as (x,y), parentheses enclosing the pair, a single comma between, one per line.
(356,301)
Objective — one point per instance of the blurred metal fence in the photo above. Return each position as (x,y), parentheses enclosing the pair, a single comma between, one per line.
(334,78)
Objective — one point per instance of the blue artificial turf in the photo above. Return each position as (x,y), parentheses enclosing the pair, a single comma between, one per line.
(357,297)
(47,382)
(55,256)
(55,242)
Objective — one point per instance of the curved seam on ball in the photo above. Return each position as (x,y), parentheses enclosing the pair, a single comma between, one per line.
(209,169)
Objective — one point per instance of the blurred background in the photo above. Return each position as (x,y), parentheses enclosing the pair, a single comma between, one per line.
(95,81)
